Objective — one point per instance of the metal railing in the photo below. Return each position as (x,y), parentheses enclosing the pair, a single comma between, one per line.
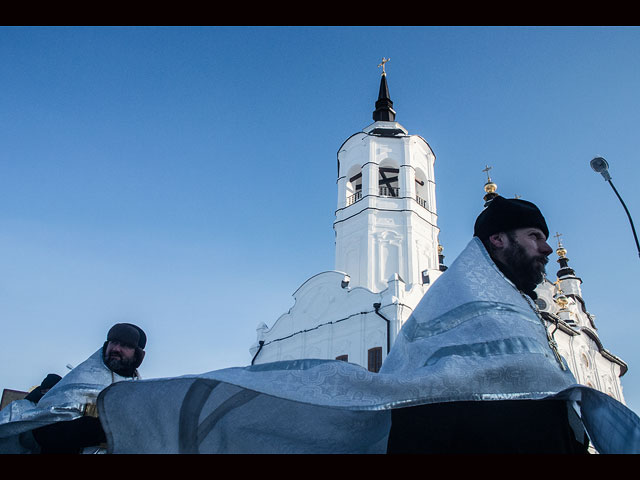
(351,199)
(385,192)
(389,192)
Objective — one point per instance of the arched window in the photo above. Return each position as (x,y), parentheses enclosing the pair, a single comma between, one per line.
(354,185)
(388,184)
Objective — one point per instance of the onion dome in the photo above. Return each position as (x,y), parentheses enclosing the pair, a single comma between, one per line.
(565,270)
(561,299)
(490,188)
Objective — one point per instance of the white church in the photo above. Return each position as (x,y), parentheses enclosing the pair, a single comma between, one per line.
(388,255)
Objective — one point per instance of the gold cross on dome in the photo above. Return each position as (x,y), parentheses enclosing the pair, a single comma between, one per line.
(487,171)
(384,60)
(558,235)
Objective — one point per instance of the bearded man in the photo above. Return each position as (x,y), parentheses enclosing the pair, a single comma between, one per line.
(514,234)
(65,419)
(123,350)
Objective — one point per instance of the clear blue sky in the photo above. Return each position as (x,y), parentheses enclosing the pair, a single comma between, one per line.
(184,179)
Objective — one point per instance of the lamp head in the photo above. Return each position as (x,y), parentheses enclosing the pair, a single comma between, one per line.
(601,166)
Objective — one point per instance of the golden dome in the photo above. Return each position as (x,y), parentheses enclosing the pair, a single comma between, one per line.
(559,297)
(561,251)
(562,301)
(490,187)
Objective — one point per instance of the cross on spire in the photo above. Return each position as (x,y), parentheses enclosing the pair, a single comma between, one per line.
(384,111)
(558,236)
(384,60)
(487,171)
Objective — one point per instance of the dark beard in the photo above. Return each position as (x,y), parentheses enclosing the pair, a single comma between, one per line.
(122,366)
(524,271)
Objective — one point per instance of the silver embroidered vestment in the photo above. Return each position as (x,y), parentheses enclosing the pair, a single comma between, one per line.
(473,336)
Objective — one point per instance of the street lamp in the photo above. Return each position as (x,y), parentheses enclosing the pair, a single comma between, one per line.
(600,165)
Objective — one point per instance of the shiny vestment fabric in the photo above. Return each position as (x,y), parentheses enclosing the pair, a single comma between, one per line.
(473,337)
(67,400)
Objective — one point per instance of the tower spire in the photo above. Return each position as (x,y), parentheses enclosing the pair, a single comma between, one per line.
(384,111)
(566,275)
(562,259)
(490,187)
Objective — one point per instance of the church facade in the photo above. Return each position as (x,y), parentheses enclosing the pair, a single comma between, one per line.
(574,329)
(388,255)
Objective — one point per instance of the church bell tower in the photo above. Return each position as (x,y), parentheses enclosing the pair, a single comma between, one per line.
(386,217)
(387,252)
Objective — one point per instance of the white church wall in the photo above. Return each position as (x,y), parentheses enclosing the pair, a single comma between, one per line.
(326,314)
(345,324)
(587,360)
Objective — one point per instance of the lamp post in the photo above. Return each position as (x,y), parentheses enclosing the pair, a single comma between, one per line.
(600,165)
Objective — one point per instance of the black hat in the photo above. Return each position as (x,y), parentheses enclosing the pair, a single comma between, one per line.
(37,393)
(504,214)
(129,334)
(50,380)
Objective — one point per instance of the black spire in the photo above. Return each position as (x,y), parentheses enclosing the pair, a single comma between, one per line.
(565,270)
(384,111)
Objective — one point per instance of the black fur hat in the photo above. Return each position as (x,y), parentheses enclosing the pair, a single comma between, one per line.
(129,334)
(504,214)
